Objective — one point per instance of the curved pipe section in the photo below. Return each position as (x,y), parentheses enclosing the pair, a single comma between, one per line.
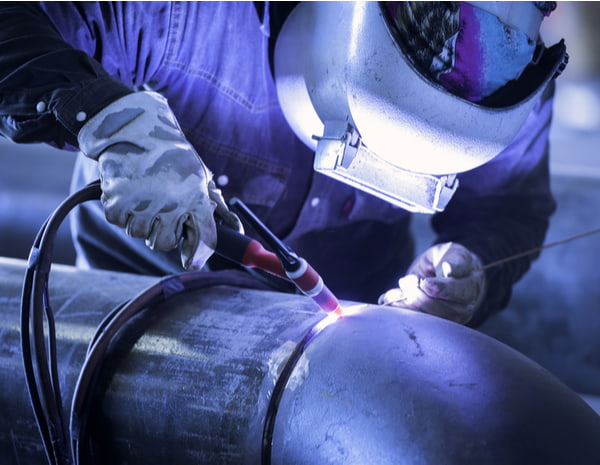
(391,386)
(191,381)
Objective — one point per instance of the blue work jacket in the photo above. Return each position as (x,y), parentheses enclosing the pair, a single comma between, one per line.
(211,61)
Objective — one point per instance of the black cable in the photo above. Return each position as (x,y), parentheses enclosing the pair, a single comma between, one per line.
(39,355)
(62,441)
(161,291)
(30,377)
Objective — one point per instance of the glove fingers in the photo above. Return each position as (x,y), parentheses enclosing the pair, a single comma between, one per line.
(199,238)
(459,263)
(417,298)
(114,212)
(422,266)
(164,233)
(195,251)
(434,296)
(393,297)
(407,294)
(448,259)
(456,290)
(444,281)
(230,218)
(140,225)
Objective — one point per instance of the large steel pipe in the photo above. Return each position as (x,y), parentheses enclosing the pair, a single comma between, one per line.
(191,382)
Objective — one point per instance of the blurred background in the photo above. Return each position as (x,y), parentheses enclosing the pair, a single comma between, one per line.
(554,316)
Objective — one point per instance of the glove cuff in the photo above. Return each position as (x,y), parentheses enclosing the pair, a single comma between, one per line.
(127,120)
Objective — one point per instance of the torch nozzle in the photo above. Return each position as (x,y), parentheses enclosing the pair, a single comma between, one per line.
(304,276)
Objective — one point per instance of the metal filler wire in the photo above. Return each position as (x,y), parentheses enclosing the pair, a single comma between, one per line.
(537,249)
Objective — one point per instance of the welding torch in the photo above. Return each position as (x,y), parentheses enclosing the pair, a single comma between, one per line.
(283,262)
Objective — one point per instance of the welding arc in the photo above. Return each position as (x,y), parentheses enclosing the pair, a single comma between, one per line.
(537,249)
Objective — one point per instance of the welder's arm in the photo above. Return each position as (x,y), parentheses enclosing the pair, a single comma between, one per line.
(500,209)
(45,82)
(503,208)
(154,184)
(445,280)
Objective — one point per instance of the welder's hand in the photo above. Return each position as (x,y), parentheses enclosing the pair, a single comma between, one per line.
(445,280)
(153,182)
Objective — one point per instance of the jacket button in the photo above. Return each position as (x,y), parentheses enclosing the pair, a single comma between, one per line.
(40,107)
(81,116)
(315,201)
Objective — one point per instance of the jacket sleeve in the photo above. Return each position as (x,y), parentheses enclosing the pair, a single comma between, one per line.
(47,87)
(504,207)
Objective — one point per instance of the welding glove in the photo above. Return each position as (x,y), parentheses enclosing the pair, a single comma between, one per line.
(446,280)
(153,182)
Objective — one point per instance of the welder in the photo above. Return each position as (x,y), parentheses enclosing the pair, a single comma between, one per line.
(332,121)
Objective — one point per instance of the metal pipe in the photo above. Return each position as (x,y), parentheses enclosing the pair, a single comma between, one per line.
(190,381)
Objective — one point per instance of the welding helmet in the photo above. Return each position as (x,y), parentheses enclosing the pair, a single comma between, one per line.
(351,89)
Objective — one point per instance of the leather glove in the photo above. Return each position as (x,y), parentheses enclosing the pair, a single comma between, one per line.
(153,182)
(445,280)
